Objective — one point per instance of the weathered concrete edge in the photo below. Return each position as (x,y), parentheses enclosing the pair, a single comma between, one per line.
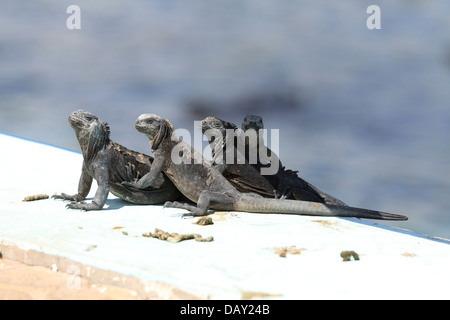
(154,290)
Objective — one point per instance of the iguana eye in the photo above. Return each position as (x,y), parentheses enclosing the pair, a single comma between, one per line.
(216,124)
(149,121)
(88,118)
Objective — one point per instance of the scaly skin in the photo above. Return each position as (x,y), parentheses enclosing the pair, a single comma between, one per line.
(111,164)
(230,162)
(285,181)
(203,184)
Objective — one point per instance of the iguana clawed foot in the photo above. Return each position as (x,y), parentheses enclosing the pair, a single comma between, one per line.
(64,196)
(83,206)
(77,202)
(193,210)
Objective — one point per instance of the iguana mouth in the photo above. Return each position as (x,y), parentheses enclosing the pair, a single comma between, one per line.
(80,118)
(141,127)
(205,126)
(252,125)
(211,137)
(76,121)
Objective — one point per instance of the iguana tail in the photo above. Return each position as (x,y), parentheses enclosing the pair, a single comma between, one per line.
(264,205)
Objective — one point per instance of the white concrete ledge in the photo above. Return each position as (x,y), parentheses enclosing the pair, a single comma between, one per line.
(241,262)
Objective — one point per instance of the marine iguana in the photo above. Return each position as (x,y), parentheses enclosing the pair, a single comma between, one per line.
(111,164)
(285,181)
(230,162)
(203,184)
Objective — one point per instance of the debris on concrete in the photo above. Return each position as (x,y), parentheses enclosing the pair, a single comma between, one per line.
(204,221)
(347,255)
(91,247)
(176,237)
(35,197)
(283,251)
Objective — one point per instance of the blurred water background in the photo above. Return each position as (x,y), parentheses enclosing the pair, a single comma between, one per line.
(363,114)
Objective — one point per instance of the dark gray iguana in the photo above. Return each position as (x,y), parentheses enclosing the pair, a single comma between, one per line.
(247,177)
(285,181)
(201,183)
(111,164)
(230,162)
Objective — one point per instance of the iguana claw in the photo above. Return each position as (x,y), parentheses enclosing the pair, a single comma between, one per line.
(83,206)
(75,205)
(176,204)
(64,196)
(193,210)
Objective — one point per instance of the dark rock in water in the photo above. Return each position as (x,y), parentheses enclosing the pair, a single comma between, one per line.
(198,108)
(264,101)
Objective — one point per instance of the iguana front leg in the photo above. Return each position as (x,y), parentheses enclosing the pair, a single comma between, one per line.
(84,186)
(149,178)
(102,176)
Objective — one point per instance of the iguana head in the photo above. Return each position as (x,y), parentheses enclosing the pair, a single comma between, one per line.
(155,128)
(215,130)
(81,120)
(252,122)
(211,125)
(92,133)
